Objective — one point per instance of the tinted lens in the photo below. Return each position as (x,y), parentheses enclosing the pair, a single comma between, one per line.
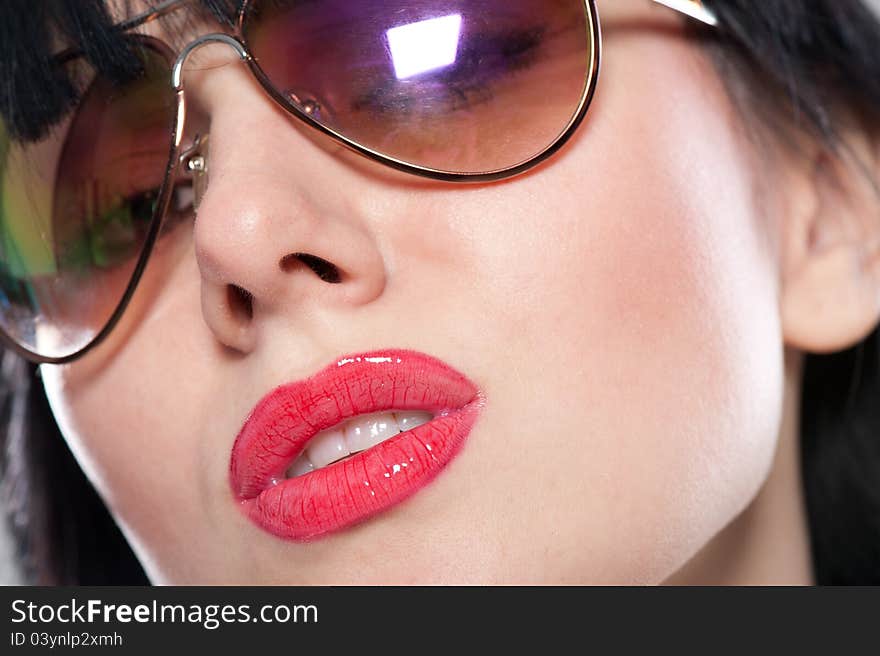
(76,206)
(462,86)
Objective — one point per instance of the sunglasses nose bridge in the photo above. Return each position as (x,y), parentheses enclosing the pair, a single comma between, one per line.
(217,37)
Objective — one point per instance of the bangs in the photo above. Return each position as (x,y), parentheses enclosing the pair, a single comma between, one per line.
(37,94)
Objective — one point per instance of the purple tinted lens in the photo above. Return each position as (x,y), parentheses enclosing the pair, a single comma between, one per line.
(461,86)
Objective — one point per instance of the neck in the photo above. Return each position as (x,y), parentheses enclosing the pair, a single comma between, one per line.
(768,543)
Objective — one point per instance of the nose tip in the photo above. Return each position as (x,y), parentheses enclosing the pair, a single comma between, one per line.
(257,263)
(275,237)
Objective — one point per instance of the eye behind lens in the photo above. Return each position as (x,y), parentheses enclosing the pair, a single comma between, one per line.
(456,87)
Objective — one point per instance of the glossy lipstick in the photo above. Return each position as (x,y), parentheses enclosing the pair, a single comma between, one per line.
(351,490)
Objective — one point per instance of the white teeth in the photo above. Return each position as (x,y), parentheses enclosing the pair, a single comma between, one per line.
(363,432)
(357,434)
(300,466)
(326,447)
(409,420)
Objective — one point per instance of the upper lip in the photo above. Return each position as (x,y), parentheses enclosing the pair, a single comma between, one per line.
(281,424)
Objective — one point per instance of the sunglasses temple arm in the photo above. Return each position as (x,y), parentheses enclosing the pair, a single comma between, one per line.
(692,8)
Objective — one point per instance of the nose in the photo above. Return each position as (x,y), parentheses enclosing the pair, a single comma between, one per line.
(276,232)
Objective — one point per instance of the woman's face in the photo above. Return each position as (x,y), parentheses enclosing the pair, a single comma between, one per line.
(617,307)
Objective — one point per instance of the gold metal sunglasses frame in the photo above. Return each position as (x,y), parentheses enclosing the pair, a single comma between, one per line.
(692,8)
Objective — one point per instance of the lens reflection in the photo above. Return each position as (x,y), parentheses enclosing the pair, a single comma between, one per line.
(428,45)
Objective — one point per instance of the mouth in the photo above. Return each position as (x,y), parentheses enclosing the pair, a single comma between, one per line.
(353,440)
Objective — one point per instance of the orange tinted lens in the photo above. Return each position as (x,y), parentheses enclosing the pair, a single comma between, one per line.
(76,206)
(461,86)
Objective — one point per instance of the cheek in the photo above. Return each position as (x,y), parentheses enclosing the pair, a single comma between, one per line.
(636,324)
(134,417)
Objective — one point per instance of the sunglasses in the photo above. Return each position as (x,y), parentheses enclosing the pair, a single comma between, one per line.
(451,90)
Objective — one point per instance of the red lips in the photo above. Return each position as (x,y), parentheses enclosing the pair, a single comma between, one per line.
(351,490)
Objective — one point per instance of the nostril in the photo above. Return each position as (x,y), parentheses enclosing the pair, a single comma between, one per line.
(240,302)
(325,270)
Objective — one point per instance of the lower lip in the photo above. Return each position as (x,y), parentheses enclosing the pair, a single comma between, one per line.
(355,489)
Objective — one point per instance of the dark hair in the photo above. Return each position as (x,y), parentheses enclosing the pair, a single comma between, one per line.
(820,62)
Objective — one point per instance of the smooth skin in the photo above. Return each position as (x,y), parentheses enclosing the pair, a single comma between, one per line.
(635,311)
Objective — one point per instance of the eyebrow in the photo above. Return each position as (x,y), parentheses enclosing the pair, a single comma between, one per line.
(161,9)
